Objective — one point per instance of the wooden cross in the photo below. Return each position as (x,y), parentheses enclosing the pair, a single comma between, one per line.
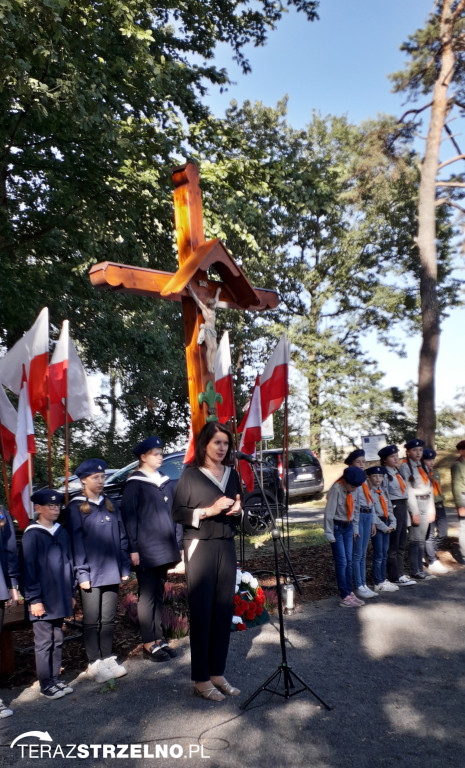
(196,257)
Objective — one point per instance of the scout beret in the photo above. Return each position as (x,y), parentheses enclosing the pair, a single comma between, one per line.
(354,476)
(379,470)
(415,443)
(388,450)
(354,455)
(47,496)
(147,445)
(429,453)
(90,467)
(461,446)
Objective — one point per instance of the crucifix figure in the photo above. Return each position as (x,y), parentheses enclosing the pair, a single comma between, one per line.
(196,257)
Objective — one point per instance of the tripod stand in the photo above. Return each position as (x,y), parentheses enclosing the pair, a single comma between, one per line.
(284,670)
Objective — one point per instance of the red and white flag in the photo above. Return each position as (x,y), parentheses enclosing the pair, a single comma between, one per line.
(251,428)
(67,378)
(274,381)
(224,380)
(8,419)
(31,352)
(24,447)
(190,450)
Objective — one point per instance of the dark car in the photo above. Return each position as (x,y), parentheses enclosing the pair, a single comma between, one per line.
(305,473)
(256,517)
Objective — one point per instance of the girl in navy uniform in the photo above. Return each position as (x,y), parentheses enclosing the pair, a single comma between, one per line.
(420,504)
(206,502)
(385,524)
(146,510)
(341,523)
(437,531)
(395,488)
(48,588)
(101,562)
(366,528)
(9,576)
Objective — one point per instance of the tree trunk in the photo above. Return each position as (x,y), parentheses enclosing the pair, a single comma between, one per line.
(426,239)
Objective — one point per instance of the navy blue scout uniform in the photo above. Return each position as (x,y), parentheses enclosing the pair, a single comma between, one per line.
(395,488)
(47,577)
(146,509)
(9,565)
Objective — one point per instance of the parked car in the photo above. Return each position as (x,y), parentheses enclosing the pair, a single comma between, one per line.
(74,483)
(305,473)
(256,518)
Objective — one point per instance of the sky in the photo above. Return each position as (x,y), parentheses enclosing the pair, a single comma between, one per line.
(339,65)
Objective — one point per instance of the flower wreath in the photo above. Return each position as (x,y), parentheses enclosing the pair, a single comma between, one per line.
(249,602)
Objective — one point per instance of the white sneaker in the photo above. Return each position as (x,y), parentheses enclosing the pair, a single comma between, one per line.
(386,586)
(4,711)
(93,669)
(365,592)
(404,581)
(112,665)
(437,567)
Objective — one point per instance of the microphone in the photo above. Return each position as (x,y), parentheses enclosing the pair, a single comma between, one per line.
(247,457)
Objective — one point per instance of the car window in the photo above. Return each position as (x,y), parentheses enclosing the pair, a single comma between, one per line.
(302,459)
(173,466)
(272,459)
(122,474)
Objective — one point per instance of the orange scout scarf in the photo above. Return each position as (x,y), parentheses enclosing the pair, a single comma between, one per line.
(349,502)
(401,482)
(436,487)
(366,491)
(422,472)
(383,502)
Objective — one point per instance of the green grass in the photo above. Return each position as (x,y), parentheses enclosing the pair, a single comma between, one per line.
(300,535)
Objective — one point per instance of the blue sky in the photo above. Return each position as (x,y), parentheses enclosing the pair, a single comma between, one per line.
(339,65)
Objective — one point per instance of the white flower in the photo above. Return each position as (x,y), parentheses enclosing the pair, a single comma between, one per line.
(246,577)
(237,588)
(254,582)
(236,620)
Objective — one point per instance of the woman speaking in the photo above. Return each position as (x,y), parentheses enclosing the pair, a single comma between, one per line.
(206,502)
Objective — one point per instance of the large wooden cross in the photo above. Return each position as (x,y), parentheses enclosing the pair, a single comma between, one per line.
(196,257)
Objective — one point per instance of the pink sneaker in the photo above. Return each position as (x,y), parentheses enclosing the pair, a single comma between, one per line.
(349,602)
(356,600)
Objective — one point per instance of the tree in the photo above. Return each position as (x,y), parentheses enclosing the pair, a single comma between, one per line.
(327,217)
(95,98)
(436,70)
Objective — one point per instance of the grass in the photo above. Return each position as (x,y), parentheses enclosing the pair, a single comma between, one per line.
(300,535)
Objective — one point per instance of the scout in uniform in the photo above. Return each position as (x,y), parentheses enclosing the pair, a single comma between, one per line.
(458,491)
(48,588)
(366,528)
(9,576)
(341,523)
(385,524)
(438,529)
(395,488)
(420,505)
(146,510)
(101,562)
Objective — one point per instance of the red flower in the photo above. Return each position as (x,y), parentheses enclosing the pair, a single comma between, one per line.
(259,610)
(241,627)
(250,615)
(237,600)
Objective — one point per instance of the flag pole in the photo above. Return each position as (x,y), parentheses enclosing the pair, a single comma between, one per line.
(49,435)
(5,476)
(29,474)
(286,465)
(66,442)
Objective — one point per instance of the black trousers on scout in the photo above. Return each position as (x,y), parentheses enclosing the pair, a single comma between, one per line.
(433,541)
(48,646)
(151,583)
(395,558)
(211,581)
(98,619)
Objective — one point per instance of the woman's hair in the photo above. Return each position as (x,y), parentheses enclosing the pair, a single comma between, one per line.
(207,433)
(85,506)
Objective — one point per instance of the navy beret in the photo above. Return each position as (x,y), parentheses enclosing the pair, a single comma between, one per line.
(415,443)
(388,450)
(354,455)
(461,446)
(47,496)
(379,470)
(146,445)
(91,467)
(429,453)
(354,476)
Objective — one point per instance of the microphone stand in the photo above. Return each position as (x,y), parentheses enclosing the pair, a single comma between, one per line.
(283,670)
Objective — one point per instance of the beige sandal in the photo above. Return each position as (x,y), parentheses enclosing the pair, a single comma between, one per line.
(228,689)
(212,693)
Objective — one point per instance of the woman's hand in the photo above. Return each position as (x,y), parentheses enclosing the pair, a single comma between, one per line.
(236,507)
(135,559)
(415,518)
(224,502)
(85,584)
(373,530)
(37,609)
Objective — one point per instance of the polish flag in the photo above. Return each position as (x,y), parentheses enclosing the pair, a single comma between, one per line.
(274,381)
(67,378)
(251,428)
(8,419)
(224,380)
(31,351)
(24,447)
